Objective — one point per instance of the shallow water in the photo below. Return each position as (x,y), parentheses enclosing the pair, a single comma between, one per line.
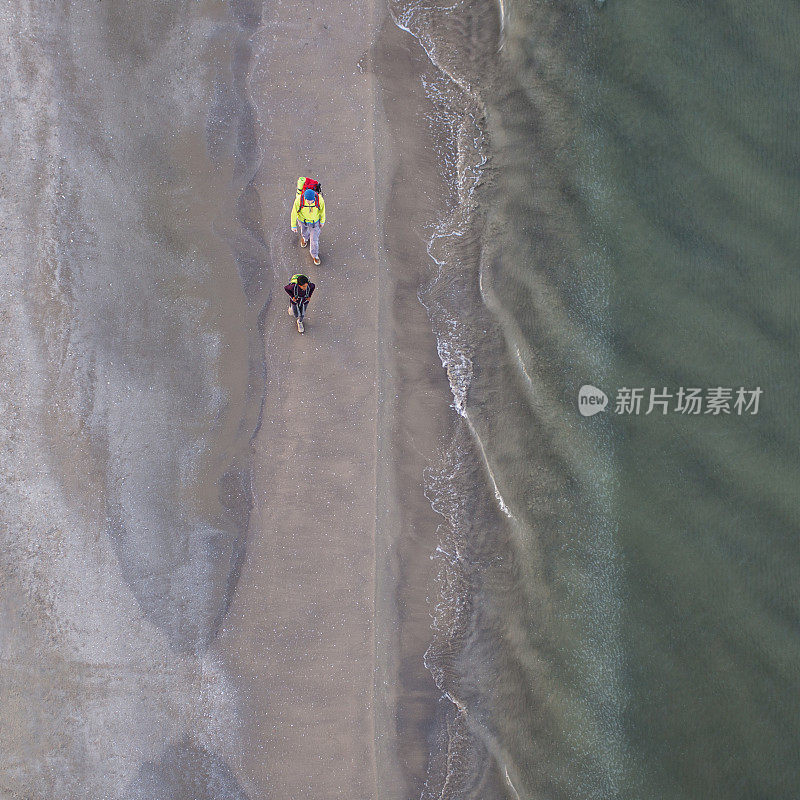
(616,614)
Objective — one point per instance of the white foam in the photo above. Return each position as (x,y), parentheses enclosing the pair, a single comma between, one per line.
(459,109)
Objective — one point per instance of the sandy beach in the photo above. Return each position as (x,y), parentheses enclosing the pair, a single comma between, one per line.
(260,607)
(326,633)
(166,639)
(257,574)
(299,638)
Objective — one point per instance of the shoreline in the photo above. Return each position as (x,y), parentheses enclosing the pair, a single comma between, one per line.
(416,392)
(308,674)
(412,419)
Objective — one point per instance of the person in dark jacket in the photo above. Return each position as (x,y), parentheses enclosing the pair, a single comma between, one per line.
(299,290)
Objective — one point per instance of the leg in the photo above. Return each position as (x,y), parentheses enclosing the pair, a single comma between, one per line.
(313,232)
(304,232)
(296,310)
(301,310)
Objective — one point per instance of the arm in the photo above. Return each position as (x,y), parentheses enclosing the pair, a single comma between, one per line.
(294,212)
(311,287)
(289,289)
(322,210)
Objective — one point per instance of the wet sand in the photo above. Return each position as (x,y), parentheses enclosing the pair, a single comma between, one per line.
(422,419)
(129,392)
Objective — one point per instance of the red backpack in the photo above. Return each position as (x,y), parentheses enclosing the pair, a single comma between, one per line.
(308,183)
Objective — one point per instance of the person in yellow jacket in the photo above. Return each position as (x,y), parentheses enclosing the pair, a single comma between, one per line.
(309,211)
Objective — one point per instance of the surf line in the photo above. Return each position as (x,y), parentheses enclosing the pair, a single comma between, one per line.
(508,781)
(403,21)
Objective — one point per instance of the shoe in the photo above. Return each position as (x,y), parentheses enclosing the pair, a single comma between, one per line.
(315,260)
(303,242)
(300,326)
(290,311)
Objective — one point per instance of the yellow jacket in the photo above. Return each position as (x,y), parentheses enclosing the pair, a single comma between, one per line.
(309,213)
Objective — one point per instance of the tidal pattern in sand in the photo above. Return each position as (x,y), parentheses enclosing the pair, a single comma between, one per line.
(132,385)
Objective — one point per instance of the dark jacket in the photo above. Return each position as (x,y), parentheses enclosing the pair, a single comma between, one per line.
(297,294)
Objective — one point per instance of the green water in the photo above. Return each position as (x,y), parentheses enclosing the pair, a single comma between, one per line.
(631,625)
(693,135)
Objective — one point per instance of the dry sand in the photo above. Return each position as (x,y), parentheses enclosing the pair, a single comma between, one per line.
(329,622)
(301,632)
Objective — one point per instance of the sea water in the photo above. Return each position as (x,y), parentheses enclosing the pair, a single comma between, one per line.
(617,607)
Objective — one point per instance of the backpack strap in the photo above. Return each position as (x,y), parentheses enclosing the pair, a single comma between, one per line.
(296,288)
